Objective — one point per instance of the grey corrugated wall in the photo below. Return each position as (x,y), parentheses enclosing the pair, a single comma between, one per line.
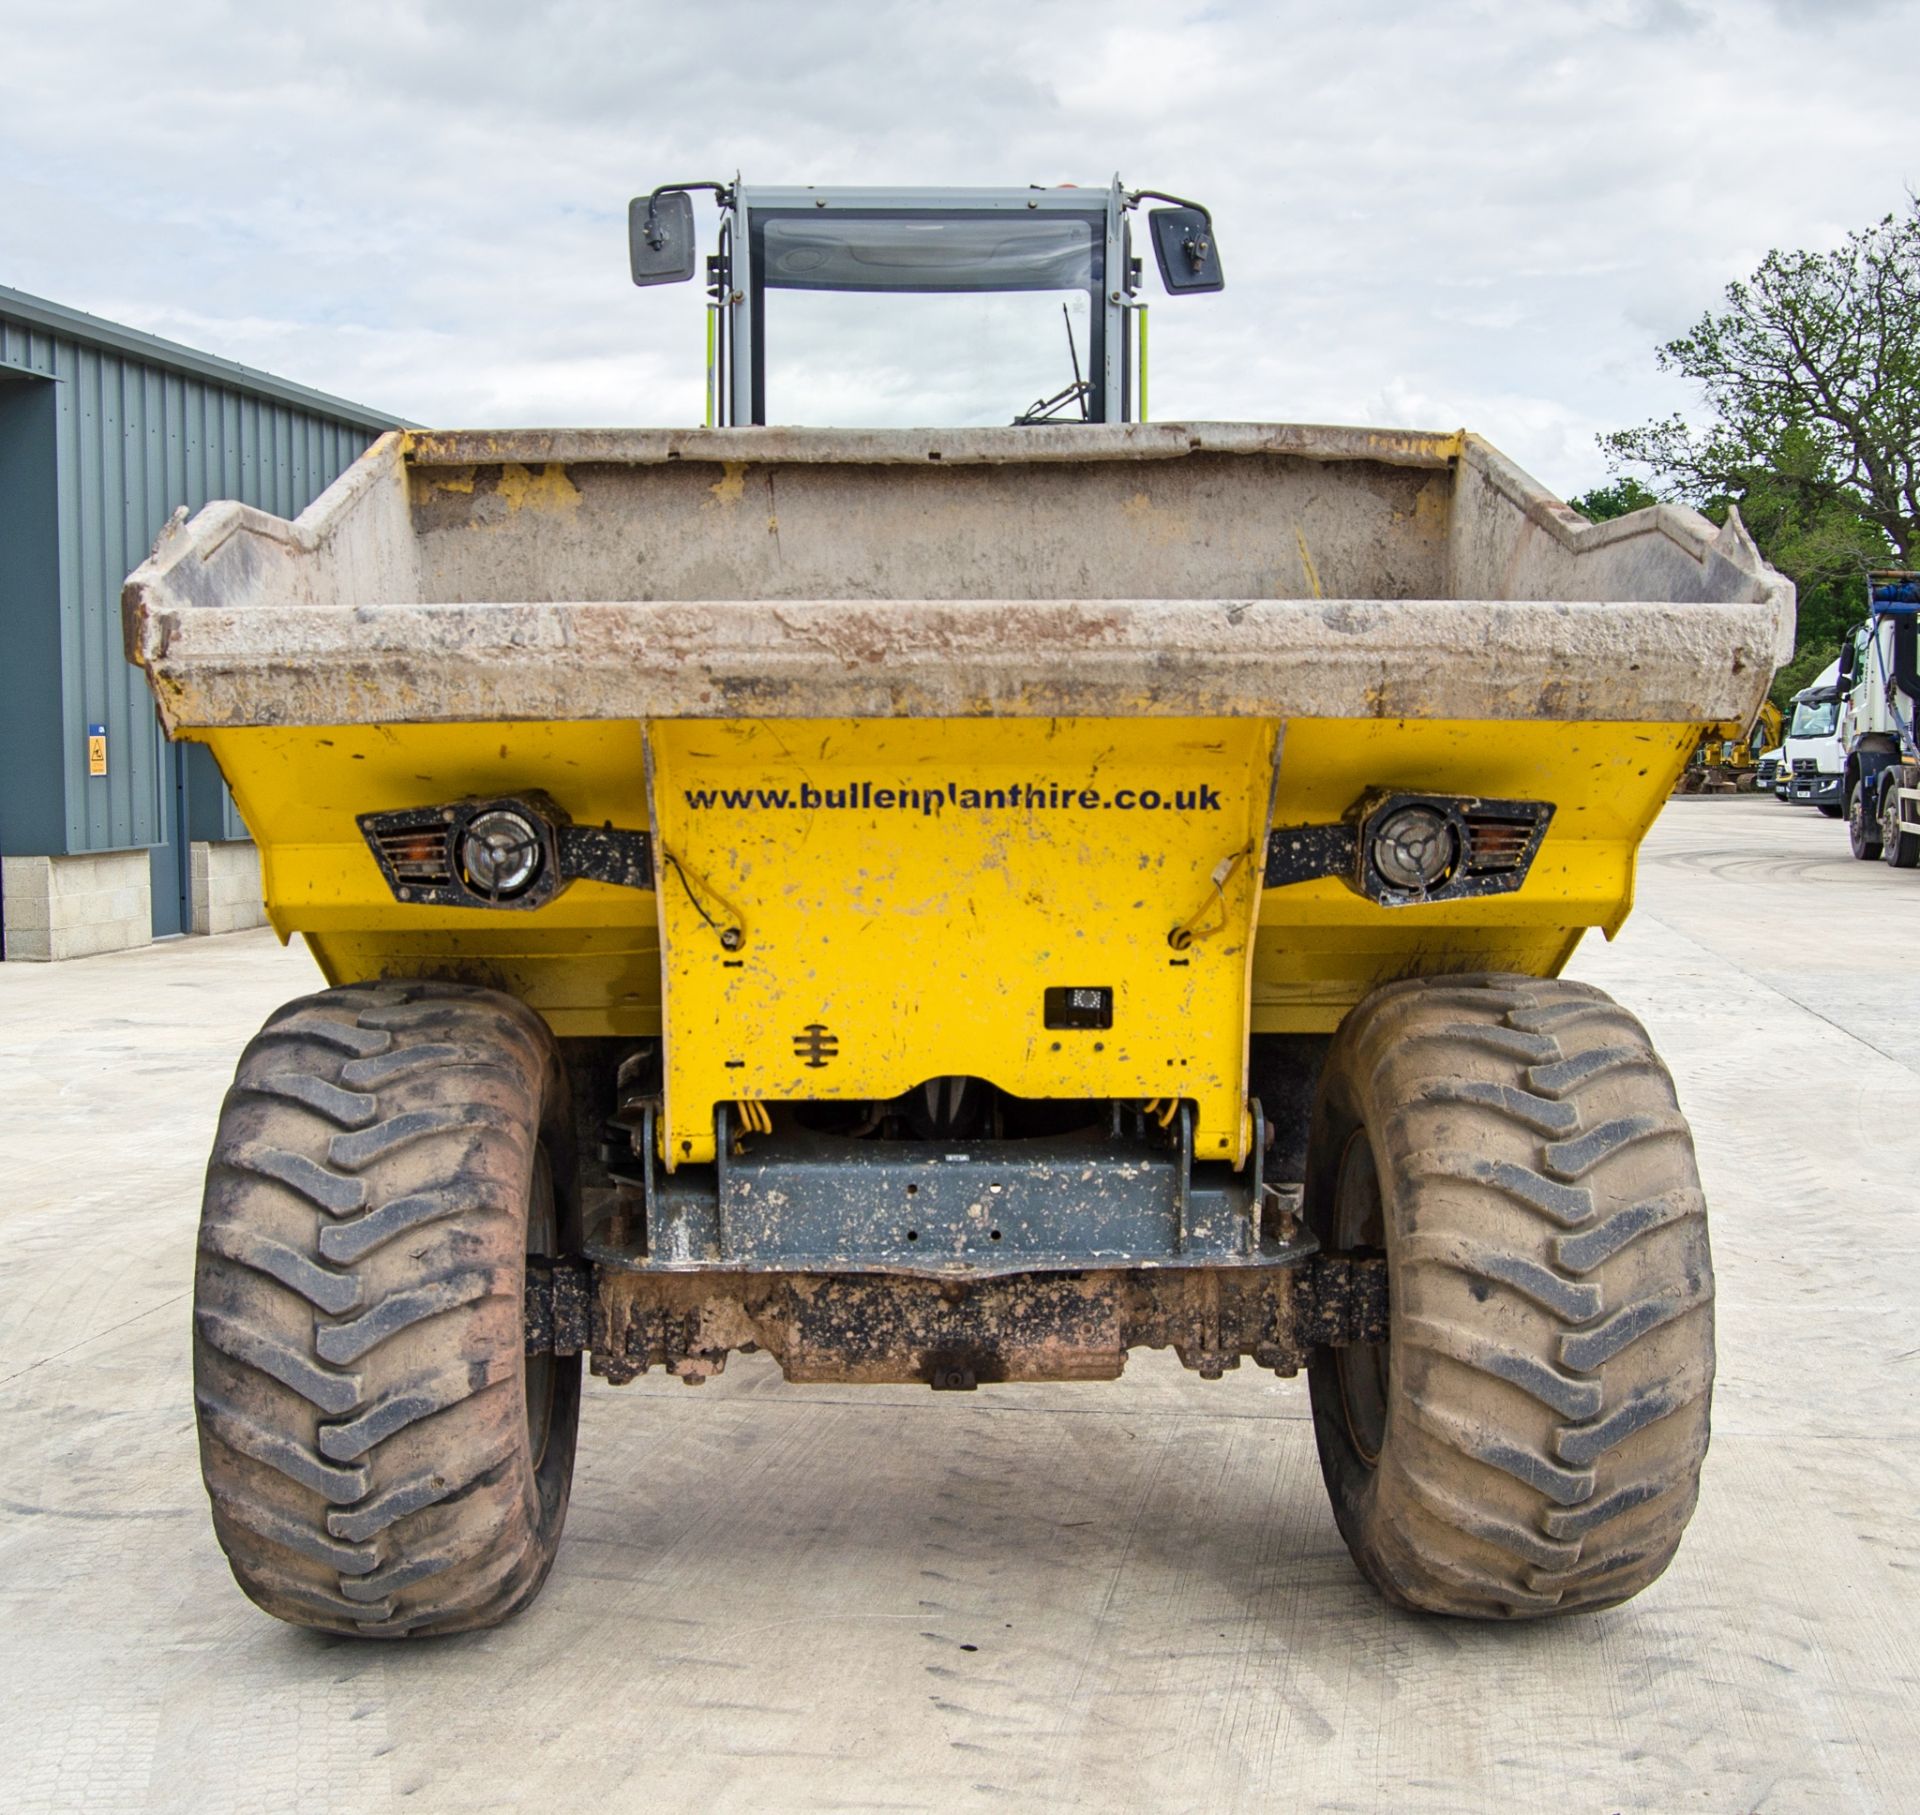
(136,428)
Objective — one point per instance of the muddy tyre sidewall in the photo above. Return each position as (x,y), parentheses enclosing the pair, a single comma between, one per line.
(366,1436)
(1549,1369)
(1351,1475)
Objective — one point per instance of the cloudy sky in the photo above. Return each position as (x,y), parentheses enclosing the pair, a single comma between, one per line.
(1482,213)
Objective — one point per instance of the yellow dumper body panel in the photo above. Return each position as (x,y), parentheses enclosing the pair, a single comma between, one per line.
(1321,947)
(918,940)
(588,961)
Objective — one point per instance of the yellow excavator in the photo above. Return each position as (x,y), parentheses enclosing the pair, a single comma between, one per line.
(1722,764)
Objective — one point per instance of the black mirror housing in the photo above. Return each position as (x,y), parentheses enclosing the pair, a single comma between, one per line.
(1184,249)
(660,243)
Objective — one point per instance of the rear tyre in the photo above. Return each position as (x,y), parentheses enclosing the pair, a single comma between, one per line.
(382,1456)
(1899,850)
(1863,821)
(1528,1440)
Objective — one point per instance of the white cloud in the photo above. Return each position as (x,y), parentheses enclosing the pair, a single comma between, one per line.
(1486,214)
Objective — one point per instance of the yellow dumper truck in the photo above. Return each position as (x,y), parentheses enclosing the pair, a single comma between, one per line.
(948,905)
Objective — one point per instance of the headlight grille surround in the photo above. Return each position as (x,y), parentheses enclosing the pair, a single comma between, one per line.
(430,856)
(1473,846)
(1496,845)
(418,856)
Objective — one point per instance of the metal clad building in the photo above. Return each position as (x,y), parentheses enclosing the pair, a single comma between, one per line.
(104,432)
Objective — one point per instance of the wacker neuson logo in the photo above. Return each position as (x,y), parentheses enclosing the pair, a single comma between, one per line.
(867,797)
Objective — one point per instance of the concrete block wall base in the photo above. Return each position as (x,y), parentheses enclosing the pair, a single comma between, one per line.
(76,907)
(225,887)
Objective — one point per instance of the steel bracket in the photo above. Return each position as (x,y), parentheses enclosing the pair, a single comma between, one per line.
(968,1209)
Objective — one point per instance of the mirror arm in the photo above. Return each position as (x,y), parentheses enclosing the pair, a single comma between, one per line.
(723,194)
(1136,196)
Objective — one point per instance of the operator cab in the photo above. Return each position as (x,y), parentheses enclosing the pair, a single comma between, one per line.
(1016,303)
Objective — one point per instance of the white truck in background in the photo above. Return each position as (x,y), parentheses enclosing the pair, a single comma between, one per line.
(1813,757)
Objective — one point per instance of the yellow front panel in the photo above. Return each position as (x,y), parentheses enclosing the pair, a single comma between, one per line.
(934,931)
(1321,947)
(588,961)
(905,892)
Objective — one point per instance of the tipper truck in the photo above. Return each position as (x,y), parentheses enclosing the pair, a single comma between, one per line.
(949,905)
(1878,682)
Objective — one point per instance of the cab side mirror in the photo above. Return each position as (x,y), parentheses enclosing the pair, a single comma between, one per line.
(660,245)
(1184,249)
(1849,667)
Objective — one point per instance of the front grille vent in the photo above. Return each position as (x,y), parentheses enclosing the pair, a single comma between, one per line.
(417,855)
(1496,846)
(1806,765)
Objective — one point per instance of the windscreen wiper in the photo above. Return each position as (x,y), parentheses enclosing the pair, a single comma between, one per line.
(1051,409)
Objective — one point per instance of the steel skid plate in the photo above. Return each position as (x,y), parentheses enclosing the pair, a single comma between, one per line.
(955,1210)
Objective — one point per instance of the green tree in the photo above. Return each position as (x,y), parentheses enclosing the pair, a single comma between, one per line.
(1811,379)
(1605,502)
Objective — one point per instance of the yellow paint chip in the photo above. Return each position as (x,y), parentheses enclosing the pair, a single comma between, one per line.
(1162,528)
(550,489)
(1306,561)
(731,486)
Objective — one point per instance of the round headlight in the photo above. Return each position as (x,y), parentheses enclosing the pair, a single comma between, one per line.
(500,853)
(1414,848)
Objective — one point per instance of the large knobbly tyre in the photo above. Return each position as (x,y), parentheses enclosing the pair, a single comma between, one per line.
(1529,1439)
(382,1456)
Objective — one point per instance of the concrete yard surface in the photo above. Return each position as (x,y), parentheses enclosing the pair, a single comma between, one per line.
(777,1598)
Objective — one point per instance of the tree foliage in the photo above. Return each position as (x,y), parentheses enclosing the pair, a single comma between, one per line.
(1811,378)
(1808,662)
(1605,502)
